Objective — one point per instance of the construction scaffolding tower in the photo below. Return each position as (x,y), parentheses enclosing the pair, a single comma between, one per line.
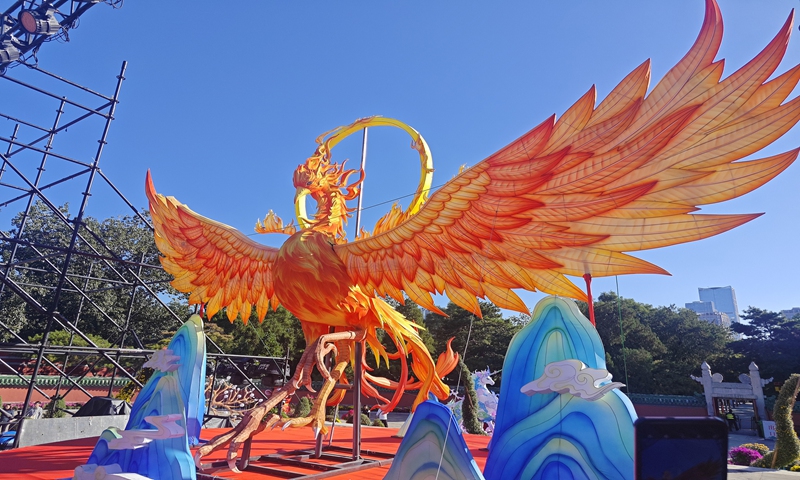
(58,268)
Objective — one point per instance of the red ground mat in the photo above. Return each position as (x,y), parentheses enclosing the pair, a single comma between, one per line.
(58,460)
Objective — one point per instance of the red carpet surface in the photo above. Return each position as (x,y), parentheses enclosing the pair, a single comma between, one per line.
(58,460)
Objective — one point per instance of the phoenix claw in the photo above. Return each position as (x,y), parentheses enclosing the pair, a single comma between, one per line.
(254,420)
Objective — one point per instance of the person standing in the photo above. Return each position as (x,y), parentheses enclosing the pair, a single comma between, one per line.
(383,417)
(35,411)
(731,418)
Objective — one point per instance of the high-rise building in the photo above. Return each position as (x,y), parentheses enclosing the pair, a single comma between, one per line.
(791,313)
(724,299)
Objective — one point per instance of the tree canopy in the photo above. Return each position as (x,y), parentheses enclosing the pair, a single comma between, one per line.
(108,286)
(771,341)
(489,336)
(663,345)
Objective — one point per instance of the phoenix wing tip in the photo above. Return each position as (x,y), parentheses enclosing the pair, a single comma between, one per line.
(149,188)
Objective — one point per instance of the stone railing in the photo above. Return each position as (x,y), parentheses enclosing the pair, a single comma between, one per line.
(668,400)
(52,381)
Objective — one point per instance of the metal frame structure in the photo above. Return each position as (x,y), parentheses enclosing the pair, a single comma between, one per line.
(66,12)
(87,265)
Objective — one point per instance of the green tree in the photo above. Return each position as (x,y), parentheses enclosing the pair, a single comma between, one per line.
(55,408)
(689,342)
(489,337)
(62,338)
(635,363)
(278,333)
(303,408)
(663,345)
(111,288)
(771,341)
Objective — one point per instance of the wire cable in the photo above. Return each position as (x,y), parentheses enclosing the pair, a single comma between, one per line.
(622,336)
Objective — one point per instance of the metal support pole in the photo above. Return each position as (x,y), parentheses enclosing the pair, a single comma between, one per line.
(8,151)
(72,334)
(361,191)
(211,391)
(126,328)
(359,353)
(318,443)
(357,373)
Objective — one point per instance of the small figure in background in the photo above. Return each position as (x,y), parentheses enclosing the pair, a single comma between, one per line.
(383,417)
(731,418)
(35,411)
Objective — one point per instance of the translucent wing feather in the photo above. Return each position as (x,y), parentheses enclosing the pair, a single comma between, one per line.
(573,195)
(216,264)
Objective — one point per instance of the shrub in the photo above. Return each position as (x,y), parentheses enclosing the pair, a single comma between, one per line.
(303,408)
(364,418)
(128,391)
(744,456)
(758,447)
(795,468)
(469,408)
(55,408)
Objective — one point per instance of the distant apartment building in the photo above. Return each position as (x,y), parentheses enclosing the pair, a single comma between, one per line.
(701,307)
(791,313)
(717,318)
(724,300)
(707,312)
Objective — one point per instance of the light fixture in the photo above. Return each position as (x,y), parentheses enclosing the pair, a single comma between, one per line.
(8,50)
(41,21)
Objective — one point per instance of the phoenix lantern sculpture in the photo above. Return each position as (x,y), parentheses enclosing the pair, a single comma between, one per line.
(568,198)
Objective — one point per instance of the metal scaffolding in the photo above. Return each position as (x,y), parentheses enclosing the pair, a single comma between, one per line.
(54,281)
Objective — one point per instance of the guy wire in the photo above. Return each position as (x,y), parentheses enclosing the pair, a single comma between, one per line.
(622,336)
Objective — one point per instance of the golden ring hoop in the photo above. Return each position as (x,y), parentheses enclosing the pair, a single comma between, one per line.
(417,143)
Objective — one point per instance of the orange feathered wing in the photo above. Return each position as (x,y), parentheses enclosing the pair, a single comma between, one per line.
(570,196)
(218,265)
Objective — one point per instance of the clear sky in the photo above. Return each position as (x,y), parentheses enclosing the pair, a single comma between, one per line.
(223,100)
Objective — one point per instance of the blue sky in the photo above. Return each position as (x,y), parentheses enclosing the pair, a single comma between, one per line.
(223,101)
